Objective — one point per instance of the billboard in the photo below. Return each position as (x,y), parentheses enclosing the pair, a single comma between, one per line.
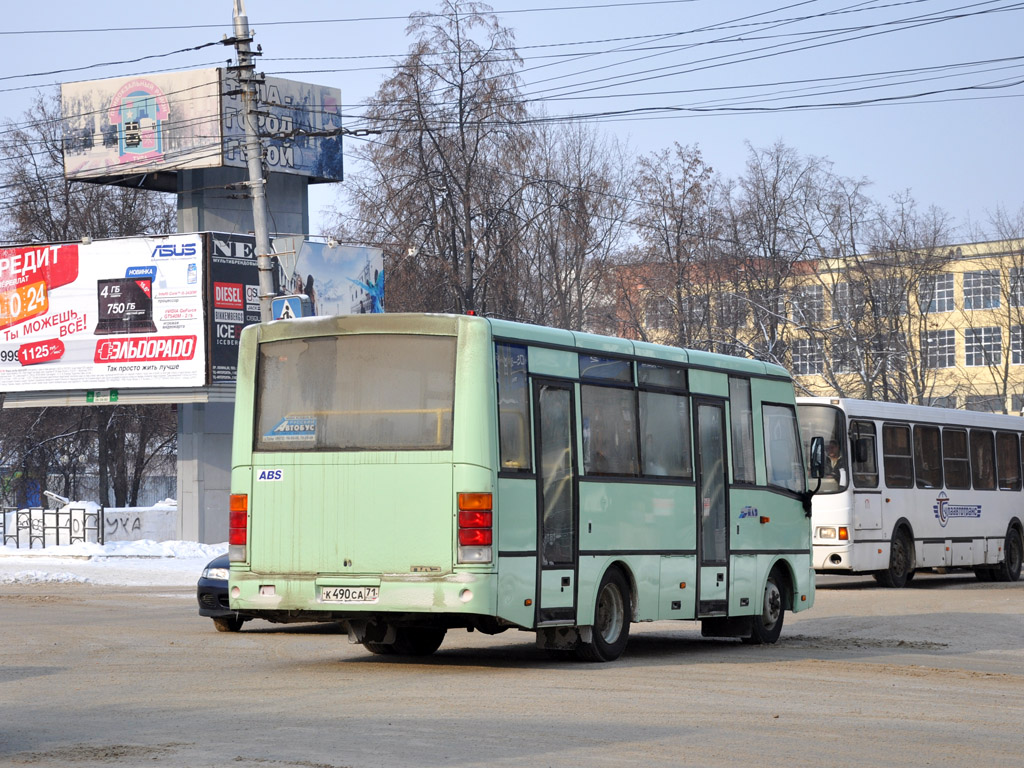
(337,279)
(132,125)
(114,313)
(292,119)
(161,123)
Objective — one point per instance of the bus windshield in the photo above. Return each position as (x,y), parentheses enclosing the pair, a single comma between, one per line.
(826,422)
(374,392)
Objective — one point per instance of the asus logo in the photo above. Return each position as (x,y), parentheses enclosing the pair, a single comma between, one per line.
(186,249)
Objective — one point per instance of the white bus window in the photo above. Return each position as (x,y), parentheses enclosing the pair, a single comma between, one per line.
(928,457)
(954,453)
(741,416)
(609,431)
(1008,461)
(864,454)
(897,462)
(513,407)
(782,457)
(665,425)
(983,460)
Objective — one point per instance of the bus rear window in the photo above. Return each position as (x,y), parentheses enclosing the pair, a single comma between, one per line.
(375,392)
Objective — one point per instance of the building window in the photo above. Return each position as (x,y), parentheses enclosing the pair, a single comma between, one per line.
(845,358)
(889,297)
(807,357)
(848,301)
(658,313)
(946,401)
(1017,287)
(808,304)
(984,403)
(1017,344)
(981,289)
(935,294)
(983,346)
(938,349)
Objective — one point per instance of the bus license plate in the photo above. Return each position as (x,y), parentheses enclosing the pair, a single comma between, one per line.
(349,594)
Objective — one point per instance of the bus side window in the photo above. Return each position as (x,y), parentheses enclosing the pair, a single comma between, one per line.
(862,445)
(1008,461)
(954,452)
(609,431)
(899,466)
(983,460)
(513,407)
(928,457)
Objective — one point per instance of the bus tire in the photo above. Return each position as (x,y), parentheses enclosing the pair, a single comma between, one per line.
(901,561)
(766,626)
(418,641)
(1013,552)
(231,623)
(612,615)
(379,649)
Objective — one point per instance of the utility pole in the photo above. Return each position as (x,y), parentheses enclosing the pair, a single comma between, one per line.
(254,158)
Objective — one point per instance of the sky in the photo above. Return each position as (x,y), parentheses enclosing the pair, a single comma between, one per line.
(918,95)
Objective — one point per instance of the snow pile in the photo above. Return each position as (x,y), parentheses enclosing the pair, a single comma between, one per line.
(127,563)
(42,577)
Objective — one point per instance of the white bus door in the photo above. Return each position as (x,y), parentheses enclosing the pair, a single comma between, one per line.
(712,510)
(557,503)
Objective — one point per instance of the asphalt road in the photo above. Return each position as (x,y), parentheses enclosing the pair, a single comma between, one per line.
(932,675)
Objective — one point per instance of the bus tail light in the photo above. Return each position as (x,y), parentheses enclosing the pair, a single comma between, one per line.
(238,532)
(476,528)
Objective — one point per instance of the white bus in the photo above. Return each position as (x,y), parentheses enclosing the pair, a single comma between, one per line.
(909,487)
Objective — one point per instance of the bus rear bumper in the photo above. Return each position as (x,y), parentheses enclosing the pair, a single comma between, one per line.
(335,598)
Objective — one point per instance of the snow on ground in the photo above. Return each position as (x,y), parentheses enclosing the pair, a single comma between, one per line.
(128,563)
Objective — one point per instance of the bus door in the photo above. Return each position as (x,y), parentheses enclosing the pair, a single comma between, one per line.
(712,509)
(557,503)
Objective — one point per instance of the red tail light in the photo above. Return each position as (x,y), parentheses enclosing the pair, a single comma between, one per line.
(238,519)
(476,527)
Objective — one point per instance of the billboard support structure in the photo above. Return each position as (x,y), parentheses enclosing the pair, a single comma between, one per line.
(254,159)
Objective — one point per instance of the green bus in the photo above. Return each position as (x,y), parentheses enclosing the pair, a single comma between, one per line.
(407,474)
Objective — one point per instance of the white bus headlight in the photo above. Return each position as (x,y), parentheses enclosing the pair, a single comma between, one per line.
(825,532)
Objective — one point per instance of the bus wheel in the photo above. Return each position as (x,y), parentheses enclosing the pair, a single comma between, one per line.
(611,620)
(418,641)
(901,560)
(1013,551)
(231,623)
(767,625)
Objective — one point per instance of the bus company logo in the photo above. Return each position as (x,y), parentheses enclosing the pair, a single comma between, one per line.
(749,512)
(293,428)
(944,510)
(270,475)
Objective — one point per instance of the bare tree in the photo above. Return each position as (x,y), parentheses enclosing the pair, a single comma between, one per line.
(680,258)
(436,186)
(41,206)
(574,216)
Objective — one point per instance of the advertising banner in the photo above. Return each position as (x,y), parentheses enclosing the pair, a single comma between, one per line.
(299,123)
(148,124)
(110,314)
(338,280)
(131,125)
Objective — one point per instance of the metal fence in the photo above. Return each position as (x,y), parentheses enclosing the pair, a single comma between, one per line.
(36,526)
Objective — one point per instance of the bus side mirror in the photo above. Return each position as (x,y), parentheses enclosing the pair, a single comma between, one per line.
(818,457)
